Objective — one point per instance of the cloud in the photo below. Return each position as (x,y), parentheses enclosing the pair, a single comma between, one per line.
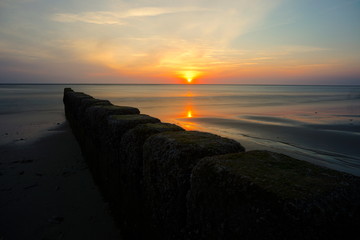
(168,37)
(302,48)
(90,17)
(161,37)
(118,17)
(155,11)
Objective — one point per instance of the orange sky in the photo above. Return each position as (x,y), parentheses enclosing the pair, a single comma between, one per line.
(205,41)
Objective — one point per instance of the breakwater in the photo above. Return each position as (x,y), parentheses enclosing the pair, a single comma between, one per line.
(163,182)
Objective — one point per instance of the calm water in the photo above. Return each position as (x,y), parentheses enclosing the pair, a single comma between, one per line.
(320,124)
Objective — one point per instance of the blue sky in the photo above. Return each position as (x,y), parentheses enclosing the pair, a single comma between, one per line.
(207,41)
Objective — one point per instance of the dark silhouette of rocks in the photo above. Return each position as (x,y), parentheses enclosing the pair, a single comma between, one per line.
(163,182)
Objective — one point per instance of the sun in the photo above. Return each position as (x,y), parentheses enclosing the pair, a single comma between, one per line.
(190,76)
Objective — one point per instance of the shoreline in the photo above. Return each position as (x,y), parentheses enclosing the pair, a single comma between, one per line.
(47,191)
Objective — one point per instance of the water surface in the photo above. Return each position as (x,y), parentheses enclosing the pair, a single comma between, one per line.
(320,124)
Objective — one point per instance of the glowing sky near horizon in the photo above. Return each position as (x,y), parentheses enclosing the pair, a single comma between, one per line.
(166,41)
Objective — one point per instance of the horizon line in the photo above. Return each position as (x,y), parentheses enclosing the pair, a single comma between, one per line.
(249,84)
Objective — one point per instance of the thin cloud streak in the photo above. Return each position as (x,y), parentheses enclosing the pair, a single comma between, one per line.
(110,17)
(89,17)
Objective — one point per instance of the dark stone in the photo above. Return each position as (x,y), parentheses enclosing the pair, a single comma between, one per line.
(72,102)
(97,115)
(132,197)
(109,160)
(166,183)
(27,161)
(56,219)
(117,125)
(31,186)
(82,127)
(88,102)
(98,133)
(266,195)
(168,161)
(67,90)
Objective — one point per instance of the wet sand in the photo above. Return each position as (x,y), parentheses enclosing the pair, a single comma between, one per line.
(47,192)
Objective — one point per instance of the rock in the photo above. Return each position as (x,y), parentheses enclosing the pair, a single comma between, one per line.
(27,161)
(98,114)
(266,195)
(109,161)
(82,127)
(56,219)
(67,90)
(117,125)
(131,165)
(180,185)
(72,101)
(31,186)
(89,102)
(168,161)
(96,131)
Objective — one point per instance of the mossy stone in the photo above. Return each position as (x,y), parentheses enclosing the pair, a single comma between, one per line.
(98,114)
(284,176)
(266,195)
(168,161)
(119,124)
(131,165)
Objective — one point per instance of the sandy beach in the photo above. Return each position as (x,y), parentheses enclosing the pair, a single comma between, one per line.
(47,191)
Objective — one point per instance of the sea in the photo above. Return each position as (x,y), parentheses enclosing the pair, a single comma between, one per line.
(318,124)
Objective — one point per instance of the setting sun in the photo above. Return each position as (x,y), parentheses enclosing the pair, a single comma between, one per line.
(189,76)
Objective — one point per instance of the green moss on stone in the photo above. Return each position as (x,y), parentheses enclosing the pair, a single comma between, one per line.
(162,126)
(114,107)
(131,117)
(80,94)
(201,139)
(280,174)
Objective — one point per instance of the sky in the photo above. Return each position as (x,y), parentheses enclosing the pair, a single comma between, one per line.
(174,42)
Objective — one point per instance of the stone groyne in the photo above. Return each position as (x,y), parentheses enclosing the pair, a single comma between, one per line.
(163,182)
